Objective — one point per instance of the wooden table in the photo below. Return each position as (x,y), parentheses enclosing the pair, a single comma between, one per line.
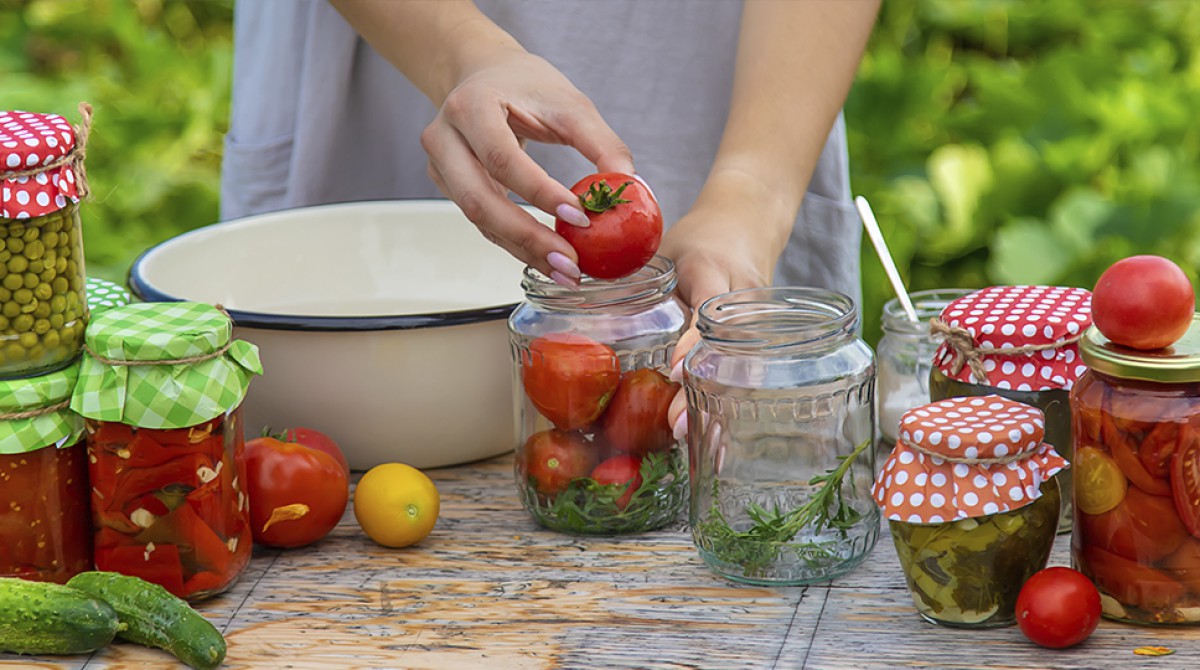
(491,589)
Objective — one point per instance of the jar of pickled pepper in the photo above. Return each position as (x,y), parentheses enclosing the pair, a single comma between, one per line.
(160,387)
(591,364)
(972,501)
(1022,343)
(43,311)
(1137,480)
(45,519)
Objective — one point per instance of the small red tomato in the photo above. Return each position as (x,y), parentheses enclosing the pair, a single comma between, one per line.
(626,225)
(636,419)
(1143,302)
(622,469)
(554,458)
(315,439)
(570,378)
(1058,607)
(297,494)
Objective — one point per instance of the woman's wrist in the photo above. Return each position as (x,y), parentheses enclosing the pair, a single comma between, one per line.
(749,212)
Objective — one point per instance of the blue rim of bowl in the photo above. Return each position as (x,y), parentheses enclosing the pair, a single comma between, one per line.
(144,291)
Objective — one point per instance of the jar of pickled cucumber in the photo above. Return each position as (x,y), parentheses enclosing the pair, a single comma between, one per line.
(971,497)
(780,395)
(1022,343)
(160,387)
(1137,479)
(44,493)
(590,364)
(43,311)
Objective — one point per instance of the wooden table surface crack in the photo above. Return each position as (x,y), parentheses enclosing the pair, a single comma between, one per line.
(489,588)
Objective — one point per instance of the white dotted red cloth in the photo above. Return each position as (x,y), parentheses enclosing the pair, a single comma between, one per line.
(1008,317)
(29,141)
(923,481)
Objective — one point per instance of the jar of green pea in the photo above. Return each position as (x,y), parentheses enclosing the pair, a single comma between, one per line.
(43,306)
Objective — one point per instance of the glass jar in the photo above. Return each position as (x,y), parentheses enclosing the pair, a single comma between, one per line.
(43,310)
(905,356)
(972,502)
(44,493)
(1022,343)
(1137,485)
(590,368)
(160,388)
(781,421)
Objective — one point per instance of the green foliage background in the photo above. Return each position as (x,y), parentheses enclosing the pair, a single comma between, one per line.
(999,141)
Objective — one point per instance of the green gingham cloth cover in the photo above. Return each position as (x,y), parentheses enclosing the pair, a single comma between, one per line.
(172,395)
(104,295)
(58,428)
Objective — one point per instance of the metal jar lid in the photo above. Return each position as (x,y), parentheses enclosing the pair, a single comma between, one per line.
(1176,364)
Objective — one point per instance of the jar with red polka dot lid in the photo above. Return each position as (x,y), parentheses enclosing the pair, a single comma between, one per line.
(43,306)
(1022,343)
(971,497)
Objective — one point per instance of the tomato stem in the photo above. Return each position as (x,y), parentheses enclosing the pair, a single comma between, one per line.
(600,197)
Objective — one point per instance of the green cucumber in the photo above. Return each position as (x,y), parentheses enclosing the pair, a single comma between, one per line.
(46,618)
(156,618)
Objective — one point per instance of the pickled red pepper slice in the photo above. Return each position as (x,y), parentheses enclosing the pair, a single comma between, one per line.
(157,563)
(1124,447)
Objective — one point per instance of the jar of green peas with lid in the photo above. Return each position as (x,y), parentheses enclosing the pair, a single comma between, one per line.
(43,306)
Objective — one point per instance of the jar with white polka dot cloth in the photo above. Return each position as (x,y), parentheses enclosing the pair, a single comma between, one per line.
(1022,343)
(43,306)
(971,497)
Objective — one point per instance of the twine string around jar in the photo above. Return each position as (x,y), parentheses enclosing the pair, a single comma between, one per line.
(995,460)
(189,360)
(31,413)
(967,353)
(75,157)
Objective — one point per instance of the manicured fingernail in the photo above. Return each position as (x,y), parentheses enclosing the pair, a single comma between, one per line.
(677,373)
(563,280)
(647,185)
(572,215)
(680,429)
(563,264)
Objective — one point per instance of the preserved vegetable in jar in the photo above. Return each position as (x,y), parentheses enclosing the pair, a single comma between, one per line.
(44,495)
(43,310)
(160,388)
(1022,343)
(1137,482)
(591,364)
(972,501)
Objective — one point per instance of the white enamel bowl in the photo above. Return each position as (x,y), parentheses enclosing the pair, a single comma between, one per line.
(382,324)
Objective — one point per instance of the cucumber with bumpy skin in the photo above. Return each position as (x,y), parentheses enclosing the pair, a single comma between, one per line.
(156,618)
(46,618)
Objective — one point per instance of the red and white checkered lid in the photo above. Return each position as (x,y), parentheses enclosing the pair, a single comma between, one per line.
(29,142)
(1001,318)
(966,457)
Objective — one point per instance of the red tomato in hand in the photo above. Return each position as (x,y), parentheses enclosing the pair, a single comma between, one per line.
(1143,302)
(297,494)
(570,378)
(553,458)
(636,419)
(626,225)
(622,469)
(315,439)
(1185,480)
(1058,607)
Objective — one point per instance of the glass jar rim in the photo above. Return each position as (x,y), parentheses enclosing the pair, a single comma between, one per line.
(927,304)
(778,318)
(649,285)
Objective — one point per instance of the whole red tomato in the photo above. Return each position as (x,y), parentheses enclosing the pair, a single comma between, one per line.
(1058,607)
(570,378)
(626,225)
(315,439)
(297,494)
(1143,302)
(624,469)
(636,419)
(553,458)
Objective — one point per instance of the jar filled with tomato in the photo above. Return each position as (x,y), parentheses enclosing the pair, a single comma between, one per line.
(46,521)
(780,395)
(597,455)
(1022,343)
(1137,482)
(160,387)
(43,311)
(972,501)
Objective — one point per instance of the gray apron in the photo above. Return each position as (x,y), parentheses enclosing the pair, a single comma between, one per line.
(319,117)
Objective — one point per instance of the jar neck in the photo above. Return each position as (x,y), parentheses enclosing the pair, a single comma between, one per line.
(927,305)
(649,286)
(784,320)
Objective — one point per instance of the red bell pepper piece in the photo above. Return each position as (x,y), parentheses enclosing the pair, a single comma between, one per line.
(157,563)
(204,583)
(181,471)
(201,548)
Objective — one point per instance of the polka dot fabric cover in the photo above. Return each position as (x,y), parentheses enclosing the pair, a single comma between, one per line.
(27,142)
(1007,317)
(922,488)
